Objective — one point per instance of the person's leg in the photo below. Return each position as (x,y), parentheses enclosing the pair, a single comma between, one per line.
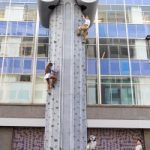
(85,32)
(48,86)
(85,35)
(54,79)
(79,31)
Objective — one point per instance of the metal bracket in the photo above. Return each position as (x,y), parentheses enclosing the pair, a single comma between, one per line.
(88,7)
(45,9)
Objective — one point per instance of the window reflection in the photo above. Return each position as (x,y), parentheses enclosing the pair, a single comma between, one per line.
(123,51)
(29,12)
(115,48)
(91,91)
(15,46)
(111,13)
(141,87)
(2,13)
(116,90)
(91,51)
(112,51)
(21,12)
(40,90)
(14,90)
(42,47)
(138,14)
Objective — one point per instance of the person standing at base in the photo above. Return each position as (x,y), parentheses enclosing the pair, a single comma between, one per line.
(83,29)
(139,145)
(91,144)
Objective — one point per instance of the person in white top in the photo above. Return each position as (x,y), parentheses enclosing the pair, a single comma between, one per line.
(50,77)
(139,145)
(83,29)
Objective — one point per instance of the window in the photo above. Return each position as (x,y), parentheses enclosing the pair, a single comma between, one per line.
(3,7)
(141,88)
(26,51)
(43,40)
(14,13)
(25,78)
(146,17)
(116,90)
(114,51)
(146,13)
(123,52)
(40,90)
(91,51)
(111,16)
(2,14)
(103,51)
(42,47)
(27,46)
(138,49)
(43,50)
(29,12)
(16,89)
(91,92)
(111,13)
(91,41)
(116,94)
(120,16)
(113,48)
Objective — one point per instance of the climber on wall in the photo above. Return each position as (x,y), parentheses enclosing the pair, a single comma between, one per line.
(50,77)
(83,29)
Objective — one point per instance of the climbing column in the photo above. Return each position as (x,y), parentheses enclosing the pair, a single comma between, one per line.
(65,127)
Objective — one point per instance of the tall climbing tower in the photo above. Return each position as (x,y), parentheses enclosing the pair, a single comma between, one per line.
(65,127)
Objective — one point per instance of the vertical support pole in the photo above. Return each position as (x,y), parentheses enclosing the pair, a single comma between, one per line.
(65,127)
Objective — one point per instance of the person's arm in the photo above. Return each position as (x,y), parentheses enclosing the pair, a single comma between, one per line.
(83,17)
(46,69)
(53,71)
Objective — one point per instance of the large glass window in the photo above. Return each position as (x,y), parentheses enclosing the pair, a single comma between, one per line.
(16,89)
(26,46)
(18,12)
(2,12)
(138,49)
(141,87)
(14,13)
(138,14)
(40,90)
(91,91)
(30,12)
(42,47)
(116,90)
(111,13)
(91,51)
(15,46)
(113,48)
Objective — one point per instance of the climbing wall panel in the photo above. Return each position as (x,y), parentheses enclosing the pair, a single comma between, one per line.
(66,107)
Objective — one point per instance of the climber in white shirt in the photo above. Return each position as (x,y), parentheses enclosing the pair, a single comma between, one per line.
(83,29)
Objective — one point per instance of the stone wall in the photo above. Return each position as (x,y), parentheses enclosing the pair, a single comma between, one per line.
(28,139)
(116,139)
(107,139)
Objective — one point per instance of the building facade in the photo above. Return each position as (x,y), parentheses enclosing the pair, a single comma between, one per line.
(118,75)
